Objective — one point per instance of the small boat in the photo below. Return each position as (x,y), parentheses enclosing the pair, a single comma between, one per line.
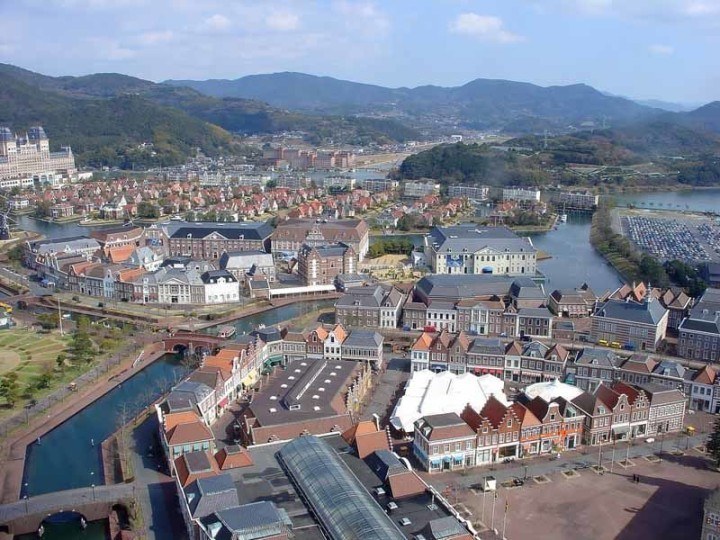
(226,332)
(563,218)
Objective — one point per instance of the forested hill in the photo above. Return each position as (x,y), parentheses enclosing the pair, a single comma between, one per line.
(105,116)
(110,131)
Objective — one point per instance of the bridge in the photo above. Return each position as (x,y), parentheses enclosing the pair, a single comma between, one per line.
(91,503)
(193,341)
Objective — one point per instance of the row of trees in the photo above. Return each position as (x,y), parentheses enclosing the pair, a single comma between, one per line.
(381,247)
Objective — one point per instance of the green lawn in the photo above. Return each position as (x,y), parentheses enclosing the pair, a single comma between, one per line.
(29,354)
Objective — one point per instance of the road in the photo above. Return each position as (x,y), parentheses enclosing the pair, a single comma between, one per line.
(156,492)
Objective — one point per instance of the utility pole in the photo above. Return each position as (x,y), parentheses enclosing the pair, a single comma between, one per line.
(60,318)
(612,459)
(492,519)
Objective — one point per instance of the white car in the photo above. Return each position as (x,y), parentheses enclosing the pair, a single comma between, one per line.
(650,440)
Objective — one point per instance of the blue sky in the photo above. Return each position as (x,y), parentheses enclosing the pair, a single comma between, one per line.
(659,49)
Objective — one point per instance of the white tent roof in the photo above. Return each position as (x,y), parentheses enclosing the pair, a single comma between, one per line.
(429,393)
(551,390)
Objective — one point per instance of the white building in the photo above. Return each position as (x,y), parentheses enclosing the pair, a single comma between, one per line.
(417,190)
(471,249)
(478,193)
(428,393)
(26,160)
(221,287)
(521,194)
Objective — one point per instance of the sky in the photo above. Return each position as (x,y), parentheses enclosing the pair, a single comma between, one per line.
(645,49)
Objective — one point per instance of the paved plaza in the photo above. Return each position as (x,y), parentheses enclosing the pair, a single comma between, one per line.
(585,505)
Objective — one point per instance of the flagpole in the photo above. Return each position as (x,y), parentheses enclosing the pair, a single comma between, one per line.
(507,507)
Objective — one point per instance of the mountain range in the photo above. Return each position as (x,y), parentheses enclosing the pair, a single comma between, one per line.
(508,106)
(106,116)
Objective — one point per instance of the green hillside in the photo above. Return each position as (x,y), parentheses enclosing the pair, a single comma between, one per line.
(108,131)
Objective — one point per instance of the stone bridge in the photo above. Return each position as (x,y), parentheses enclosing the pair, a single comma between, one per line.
(26,515)
(192,341)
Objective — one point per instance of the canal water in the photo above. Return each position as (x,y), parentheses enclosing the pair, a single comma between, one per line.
(96,530)
(69,456)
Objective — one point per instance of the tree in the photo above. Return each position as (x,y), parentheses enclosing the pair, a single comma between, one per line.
(60,361)
(48,321)
(713,443)
(148,210)
(81,347)
(9,388)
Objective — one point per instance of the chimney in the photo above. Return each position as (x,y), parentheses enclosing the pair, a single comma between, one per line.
(376,417)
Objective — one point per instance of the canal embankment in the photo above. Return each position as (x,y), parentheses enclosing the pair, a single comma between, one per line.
(14,449)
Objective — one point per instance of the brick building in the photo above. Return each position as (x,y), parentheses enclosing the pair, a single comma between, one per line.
(320,265)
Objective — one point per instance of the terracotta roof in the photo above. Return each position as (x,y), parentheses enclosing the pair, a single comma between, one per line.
(361,428)
(340,332)
(471,417)
(631,392)
(233,457)
(705,376)
(423,343)
(194,465)
(406,484)
(188,433)
(368,443)
(462,340)
(607,395)
(130,274)
(494,411)
(639,363)
(526,416)
(121,253)
(173,419)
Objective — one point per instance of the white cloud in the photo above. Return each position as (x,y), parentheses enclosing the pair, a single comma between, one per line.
(698,9)
(6,48)
(483,27)
(217,22)
(282,21)
(365,13)
(658,48)
(154,38)
(110,49)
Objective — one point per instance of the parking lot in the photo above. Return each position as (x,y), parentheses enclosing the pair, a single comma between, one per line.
(683,237)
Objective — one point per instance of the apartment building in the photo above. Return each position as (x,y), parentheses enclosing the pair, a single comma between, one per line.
(521,194)
(375,306)
(634,325)
(577,200)
(208,241)
(478,193)
(444,442)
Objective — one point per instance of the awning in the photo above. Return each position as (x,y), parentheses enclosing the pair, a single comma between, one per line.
(223,402)
(273,361)
(621,430)
(434,462)
(447,459)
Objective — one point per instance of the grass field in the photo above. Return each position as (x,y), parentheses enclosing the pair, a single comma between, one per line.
(29,355)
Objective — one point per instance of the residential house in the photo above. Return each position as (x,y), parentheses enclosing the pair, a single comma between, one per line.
(578,302)
(444,442)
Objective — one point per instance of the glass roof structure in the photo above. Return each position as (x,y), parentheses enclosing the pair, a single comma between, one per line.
(345,510)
